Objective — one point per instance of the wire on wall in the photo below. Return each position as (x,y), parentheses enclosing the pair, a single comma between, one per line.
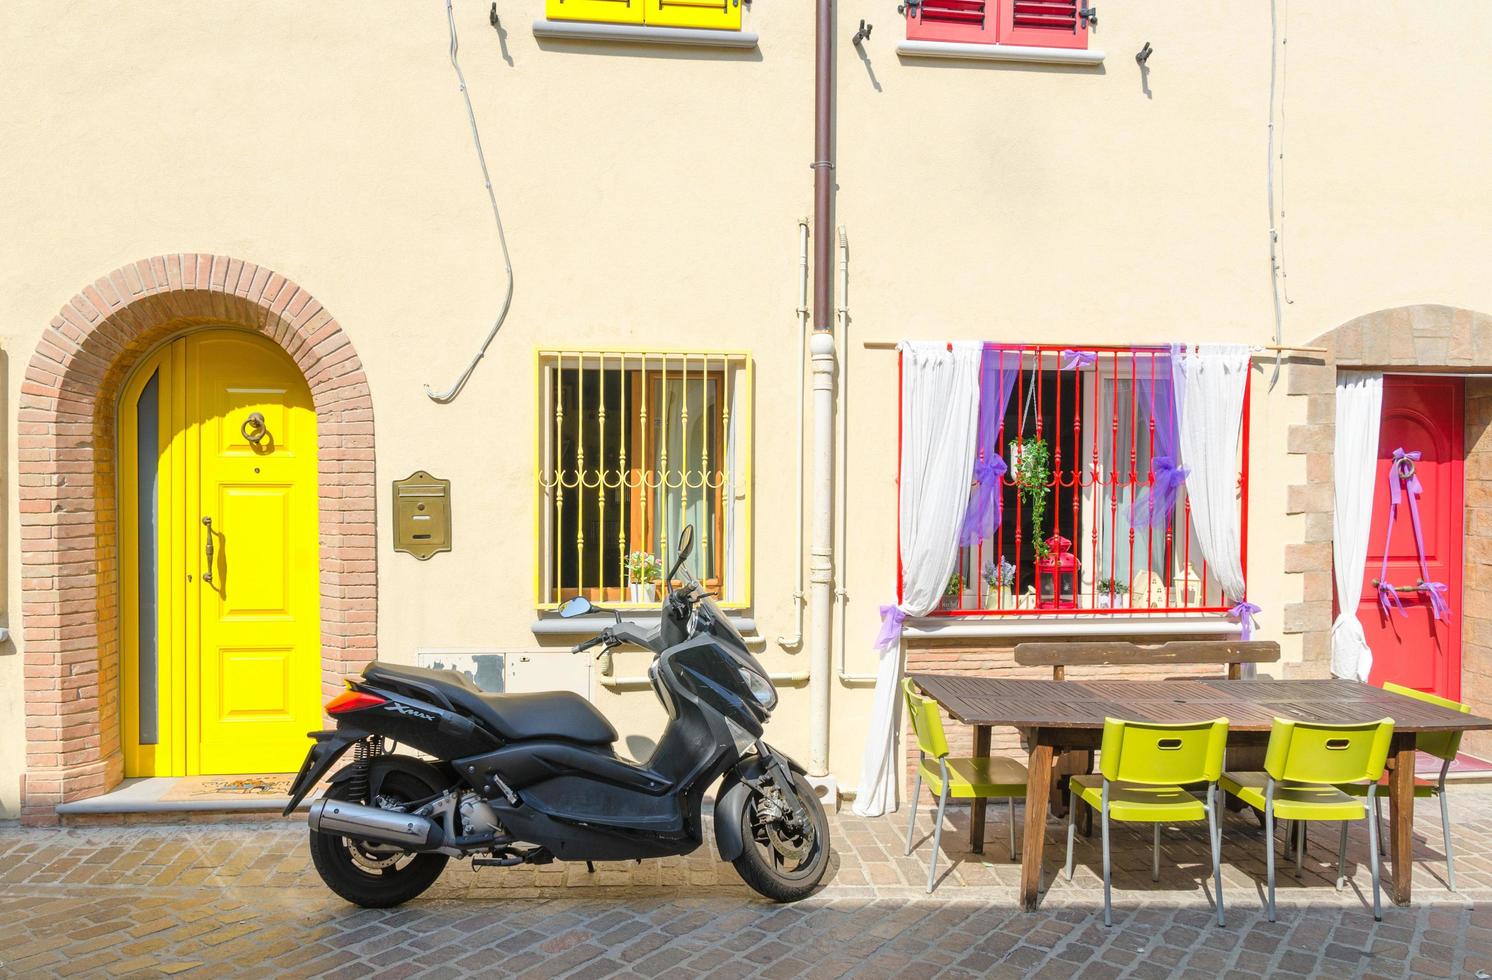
(449,395)
(1276,245)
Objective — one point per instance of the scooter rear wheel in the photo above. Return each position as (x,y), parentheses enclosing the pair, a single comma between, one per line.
(776,861)
(376,876)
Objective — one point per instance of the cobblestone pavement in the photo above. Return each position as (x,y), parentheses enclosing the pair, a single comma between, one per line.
(241,899)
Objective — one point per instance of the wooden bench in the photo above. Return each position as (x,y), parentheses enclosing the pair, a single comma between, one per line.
(1078,653)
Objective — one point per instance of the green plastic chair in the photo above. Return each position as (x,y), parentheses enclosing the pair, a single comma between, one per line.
(1304,766)
(959,779)
(1142,768)
(1443,746)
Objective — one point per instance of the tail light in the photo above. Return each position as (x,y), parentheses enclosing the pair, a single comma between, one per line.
(353,701)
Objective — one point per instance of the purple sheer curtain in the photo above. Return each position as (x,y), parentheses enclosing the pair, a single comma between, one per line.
(1157,393)
(998,370)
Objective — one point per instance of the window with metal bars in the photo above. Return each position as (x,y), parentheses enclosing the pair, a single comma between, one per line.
(1033,23)
(633,445)
(1094,515)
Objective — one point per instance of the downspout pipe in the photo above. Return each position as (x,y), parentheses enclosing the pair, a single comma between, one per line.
(794,640)
(821,353)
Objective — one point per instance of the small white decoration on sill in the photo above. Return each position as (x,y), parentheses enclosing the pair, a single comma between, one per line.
(1147,591)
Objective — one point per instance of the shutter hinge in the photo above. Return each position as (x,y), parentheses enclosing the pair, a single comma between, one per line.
(909,8)
(1090,14)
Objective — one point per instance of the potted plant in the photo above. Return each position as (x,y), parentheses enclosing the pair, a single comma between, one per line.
(1033,475)
(999,581)
(1109,591)
(952,591)
(642,573)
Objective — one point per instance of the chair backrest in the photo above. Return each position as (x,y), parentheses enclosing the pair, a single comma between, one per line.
(1157,755)
(1307,752)
(927,721)
(1442,745)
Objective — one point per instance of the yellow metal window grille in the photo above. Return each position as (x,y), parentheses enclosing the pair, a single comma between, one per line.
(633,445)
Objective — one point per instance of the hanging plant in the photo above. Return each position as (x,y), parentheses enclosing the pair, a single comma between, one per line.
(1033,474)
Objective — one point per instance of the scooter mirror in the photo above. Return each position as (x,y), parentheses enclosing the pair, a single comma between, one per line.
(577,606)
(686,546)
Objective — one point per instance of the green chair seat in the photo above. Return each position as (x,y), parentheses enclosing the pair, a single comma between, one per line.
(975,778)
(1296,801)
(1138,803)
(1423,788)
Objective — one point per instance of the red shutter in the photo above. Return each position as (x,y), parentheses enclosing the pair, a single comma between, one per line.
(969,21)
(1043,23)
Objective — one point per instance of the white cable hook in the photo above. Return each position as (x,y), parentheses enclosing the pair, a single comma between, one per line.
(449,395)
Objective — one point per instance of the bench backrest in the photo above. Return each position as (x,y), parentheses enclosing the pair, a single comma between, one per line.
(1078,653)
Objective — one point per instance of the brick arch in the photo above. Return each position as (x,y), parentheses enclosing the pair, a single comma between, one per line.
(70,575)
(1424,337)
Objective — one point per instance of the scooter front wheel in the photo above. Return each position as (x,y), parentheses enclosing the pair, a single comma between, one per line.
(780,861)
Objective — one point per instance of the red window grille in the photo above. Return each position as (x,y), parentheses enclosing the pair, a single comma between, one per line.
(969,21)
(1101,439)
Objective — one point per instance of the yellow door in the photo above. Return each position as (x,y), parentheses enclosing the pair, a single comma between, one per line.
(220,600)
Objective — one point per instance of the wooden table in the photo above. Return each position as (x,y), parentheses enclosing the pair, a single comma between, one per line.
(1054,716)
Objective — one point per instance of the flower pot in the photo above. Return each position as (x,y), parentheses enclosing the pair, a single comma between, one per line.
(639,592)
(949,602)
(1104,600)
(999,597)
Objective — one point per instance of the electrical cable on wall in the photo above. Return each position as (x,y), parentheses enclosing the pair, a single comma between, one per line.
(1276,247)
(449,395)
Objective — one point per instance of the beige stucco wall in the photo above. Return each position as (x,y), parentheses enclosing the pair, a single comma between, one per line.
(651,197)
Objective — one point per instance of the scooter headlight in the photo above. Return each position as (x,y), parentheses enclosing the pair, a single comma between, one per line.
(760,688)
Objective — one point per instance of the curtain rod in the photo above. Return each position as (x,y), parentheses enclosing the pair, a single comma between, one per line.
(1286,348)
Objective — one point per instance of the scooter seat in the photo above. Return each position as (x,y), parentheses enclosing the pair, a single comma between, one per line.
(547,714)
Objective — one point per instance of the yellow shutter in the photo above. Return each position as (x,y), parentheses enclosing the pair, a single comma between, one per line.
(605,11)
(724,15)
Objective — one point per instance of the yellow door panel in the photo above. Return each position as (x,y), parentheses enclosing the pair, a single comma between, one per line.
(222,655)
(265,590)
(605,11)
(722,15)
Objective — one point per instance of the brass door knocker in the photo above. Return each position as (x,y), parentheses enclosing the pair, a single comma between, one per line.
(253,428)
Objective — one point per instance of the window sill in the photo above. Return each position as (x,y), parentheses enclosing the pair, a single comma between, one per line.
(688,37)
(946,627)
(1087,58)
(553,625)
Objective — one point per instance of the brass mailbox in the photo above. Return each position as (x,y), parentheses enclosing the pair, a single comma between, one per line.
(422,515)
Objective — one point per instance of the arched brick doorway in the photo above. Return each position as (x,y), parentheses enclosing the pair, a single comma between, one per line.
(1404,340)
(69,575)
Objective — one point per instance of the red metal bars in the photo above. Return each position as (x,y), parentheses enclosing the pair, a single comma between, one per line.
(1099,462)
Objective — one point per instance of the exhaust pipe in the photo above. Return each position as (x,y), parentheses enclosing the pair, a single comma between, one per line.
(371,823)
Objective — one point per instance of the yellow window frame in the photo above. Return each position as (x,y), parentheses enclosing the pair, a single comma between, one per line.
(720,15)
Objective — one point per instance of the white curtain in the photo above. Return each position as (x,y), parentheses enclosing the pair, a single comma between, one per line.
(939,413)
(1209,382)
(1114,549)
(1355,465)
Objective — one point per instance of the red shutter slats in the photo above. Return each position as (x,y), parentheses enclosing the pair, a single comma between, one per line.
(969,21)
(1043,23)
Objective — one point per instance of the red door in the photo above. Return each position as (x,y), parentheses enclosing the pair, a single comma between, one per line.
(1416,650)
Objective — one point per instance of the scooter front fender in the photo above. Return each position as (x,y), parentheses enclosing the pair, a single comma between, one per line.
(735,793)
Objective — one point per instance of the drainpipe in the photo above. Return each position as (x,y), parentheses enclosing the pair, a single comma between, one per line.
(821,352)
(795,640)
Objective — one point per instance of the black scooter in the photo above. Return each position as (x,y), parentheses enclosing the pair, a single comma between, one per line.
(531,778)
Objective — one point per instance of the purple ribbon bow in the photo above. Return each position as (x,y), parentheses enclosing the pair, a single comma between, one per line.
(984,506)
(1159,499)
(1075,359)
(891,619)
(1245,612)
(1402,478)
(1398,482)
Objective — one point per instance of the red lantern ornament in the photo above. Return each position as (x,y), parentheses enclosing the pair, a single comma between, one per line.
(1057,576)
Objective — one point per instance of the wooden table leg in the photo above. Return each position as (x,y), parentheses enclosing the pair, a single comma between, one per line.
(976,811)
(1401,816)
(1033,842)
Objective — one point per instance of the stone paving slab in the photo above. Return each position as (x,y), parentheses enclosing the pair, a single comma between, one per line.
(241,899)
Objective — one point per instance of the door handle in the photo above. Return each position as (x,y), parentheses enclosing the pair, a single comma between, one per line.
(207,575)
